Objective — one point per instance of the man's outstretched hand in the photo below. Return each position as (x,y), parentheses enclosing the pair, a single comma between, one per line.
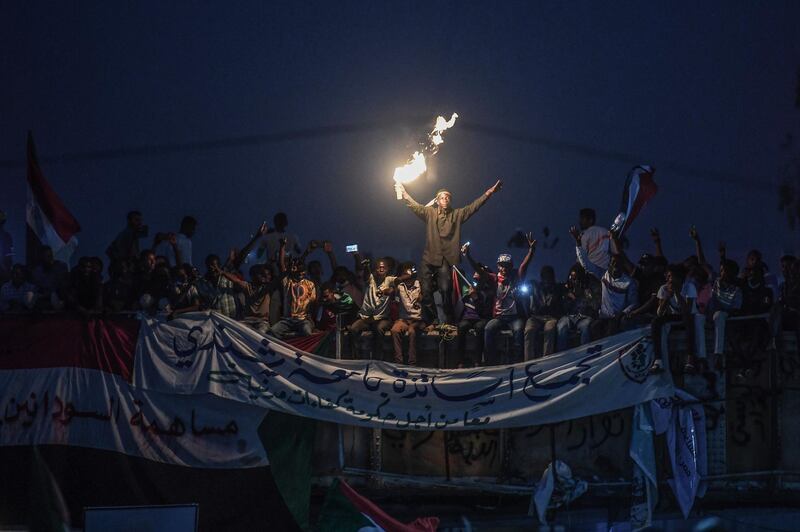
(494,188)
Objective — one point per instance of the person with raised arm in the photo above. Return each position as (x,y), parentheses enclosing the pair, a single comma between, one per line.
(374,314)
(442,243)
(300,296)
(506,314)
(619,293)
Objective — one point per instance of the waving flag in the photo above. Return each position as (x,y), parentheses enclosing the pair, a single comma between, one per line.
(345,510)
(461,286)
(49,222)
(77,431)
(639,189)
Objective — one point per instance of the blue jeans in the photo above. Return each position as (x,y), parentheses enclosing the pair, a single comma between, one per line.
(573,321)
(495,325)
(292,325)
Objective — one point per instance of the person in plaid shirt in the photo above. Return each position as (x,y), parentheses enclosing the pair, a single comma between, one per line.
(216,291)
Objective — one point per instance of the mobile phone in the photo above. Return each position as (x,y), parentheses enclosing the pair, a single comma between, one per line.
(352,248)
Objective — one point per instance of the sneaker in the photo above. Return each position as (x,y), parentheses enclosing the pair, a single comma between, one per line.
(656,367)
(690,366)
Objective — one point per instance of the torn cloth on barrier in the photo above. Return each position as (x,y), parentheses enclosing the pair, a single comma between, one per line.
(552,494)
(644,487)
(209,353)
(684,421)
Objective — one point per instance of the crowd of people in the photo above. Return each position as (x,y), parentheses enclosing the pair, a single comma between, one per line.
(284,294)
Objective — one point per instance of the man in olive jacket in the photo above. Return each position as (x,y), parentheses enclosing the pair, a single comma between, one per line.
(442,243)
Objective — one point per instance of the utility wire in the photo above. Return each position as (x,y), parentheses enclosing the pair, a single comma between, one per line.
(323,132)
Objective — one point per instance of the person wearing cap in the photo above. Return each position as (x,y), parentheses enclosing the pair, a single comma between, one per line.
(6,249)
(506,314)
(442,242)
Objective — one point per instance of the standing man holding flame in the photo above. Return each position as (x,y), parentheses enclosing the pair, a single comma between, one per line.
(442,242)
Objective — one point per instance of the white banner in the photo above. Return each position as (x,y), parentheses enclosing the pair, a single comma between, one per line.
(90,408)
(209,353)
(683,419)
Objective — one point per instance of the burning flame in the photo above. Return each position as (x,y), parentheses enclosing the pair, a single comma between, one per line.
(412,170)
(416,166)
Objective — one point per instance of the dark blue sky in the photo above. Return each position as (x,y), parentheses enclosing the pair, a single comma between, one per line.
(702,91)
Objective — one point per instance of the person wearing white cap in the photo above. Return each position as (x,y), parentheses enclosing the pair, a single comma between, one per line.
(506,313)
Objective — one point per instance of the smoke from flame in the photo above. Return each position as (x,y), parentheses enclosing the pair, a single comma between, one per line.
(441,126)
(416,166)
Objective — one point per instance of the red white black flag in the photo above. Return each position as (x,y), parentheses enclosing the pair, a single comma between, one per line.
(49,222)
(639,189)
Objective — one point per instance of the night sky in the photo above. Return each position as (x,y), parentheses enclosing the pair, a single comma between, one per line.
(558,99)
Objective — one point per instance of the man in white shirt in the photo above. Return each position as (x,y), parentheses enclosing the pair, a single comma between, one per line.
(594,239)
(677,302)
(183,243)
(268,249)
(619,290)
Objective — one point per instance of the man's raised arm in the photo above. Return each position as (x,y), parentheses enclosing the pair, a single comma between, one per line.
(412,204)
(477,268)
(523,267)
(468,210)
